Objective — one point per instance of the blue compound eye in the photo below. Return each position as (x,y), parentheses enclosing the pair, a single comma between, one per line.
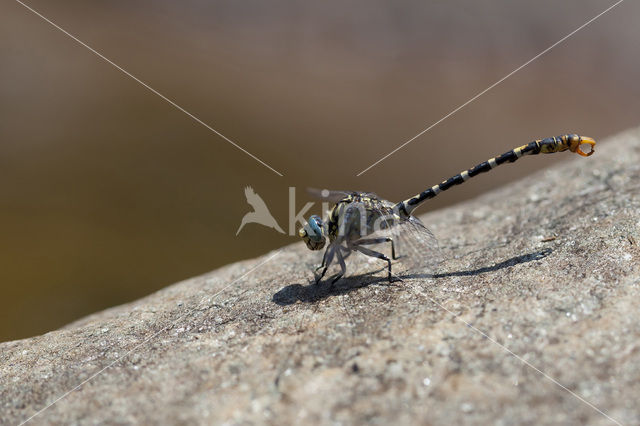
(315,228)
(312,233)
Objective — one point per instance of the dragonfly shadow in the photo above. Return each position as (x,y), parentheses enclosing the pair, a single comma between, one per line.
(314,292)
(516,260)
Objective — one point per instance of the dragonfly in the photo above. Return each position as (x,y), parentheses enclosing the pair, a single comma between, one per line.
(360,220)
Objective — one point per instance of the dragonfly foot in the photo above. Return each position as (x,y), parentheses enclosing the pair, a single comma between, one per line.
(394,279)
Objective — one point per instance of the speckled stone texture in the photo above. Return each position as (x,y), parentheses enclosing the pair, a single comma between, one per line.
(541,284)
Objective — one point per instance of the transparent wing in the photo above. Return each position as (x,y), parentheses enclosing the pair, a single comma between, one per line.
(416,247)
(335,195)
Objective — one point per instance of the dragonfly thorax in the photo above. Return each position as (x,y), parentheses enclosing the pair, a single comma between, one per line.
(359,215)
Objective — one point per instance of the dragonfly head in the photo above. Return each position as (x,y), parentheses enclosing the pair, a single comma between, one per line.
(313,233)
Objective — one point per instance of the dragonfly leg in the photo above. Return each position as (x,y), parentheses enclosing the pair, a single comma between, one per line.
(326,261)
(347,252)
(343,267)
(318,278)
(367,241)
(379,255)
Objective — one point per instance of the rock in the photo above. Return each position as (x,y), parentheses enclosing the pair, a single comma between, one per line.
(532,319)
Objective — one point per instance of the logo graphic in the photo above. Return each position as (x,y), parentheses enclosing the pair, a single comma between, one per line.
(261,213)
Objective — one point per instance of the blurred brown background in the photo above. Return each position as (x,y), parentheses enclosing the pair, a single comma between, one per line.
(108,193)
